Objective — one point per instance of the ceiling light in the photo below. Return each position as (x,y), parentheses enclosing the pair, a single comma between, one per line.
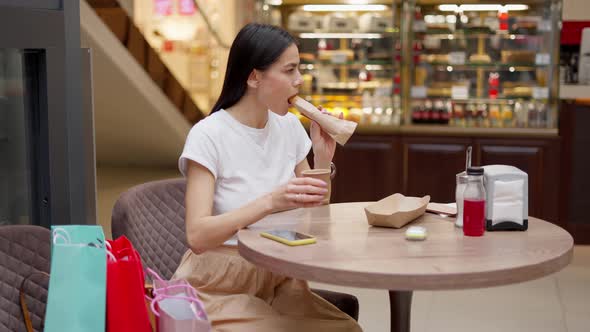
(481,7)
(329,8)
(516,7)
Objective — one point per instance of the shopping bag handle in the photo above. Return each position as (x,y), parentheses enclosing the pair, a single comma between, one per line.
(156,291)
(198,310)
(61,233)
(23,303)
(109,251)
(154,274)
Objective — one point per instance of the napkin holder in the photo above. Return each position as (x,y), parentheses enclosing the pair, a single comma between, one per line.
(506,198)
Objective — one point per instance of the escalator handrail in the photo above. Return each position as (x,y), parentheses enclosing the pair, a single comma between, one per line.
(209,26)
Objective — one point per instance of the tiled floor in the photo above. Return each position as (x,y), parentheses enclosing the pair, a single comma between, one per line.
(557,303)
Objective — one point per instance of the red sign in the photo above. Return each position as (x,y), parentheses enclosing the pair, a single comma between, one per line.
(571,32)
(186,7)
(163,7)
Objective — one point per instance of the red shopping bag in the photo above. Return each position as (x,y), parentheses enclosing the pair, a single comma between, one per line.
(126,310)
(177,307)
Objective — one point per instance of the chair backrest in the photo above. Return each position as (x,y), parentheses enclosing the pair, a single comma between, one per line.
(24,251)
(151,216)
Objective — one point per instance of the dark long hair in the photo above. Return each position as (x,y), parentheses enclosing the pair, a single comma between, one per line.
(257,46)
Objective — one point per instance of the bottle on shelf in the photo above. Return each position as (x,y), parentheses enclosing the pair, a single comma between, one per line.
(447,111)
(507,116)
(503,20)
(377,111)
(532,114)
(437,110)
(481,115)
(397,107)
(417,51)
(458,115)
(417,111)
(494,116)
(458,20)
(542,113)
(387,117)
(322,45)
(537,114)
(520,114)
(493,85)
(470,115)
(428,109)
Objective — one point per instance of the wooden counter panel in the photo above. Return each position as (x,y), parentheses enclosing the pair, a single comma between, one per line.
(368,168)
(430,166)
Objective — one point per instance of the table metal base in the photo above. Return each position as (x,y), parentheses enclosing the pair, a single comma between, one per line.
(400,305)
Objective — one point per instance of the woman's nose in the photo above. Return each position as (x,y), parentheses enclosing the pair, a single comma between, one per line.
(298,80)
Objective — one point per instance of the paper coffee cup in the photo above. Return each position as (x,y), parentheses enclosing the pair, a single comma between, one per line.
(324,175)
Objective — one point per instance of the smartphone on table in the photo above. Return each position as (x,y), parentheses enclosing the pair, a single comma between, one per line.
(290,238)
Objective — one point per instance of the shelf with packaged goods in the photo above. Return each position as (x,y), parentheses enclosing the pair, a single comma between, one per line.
(352,85)
(511,67)
(473,100)
(460,36)
(367,65)
(459,91)
(332,97)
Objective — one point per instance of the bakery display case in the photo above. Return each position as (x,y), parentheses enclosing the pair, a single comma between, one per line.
(398,64)
(482,64)
(350,55)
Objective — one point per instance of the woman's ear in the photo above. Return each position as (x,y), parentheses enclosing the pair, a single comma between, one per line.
(253,79)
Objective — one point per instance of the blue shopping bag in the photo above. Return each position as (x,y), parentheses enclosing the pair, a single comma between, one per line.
(76,299)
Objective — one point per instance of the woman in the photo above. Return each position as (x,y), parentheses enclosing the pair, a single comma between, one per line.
(242,163)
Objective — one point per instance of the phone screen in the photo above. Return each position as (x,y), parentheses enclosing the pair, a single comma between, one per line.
(289,235)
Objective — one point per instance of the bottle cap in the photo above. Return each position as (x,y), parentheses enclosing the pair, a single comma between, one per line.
(475,171)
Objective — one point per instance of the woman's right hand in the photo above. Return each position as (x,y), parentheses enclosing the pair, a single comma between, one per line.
(298,192)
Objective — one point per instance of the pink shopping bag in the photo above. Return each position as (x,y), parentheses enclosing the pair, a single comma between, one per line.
(177,307)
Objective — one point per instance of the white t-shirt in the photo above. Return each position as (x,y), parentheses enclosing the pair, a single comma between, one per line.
(246,162)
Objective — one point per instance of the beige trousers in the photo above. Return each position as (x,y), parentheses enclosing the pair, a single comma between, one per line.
(238,296)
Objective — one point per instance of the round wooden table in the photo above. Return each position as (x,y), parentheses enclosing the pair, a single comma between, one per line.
(350,252)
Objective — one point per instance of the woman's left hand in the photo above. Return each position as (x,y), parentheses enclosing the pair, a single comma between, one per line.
(323,144)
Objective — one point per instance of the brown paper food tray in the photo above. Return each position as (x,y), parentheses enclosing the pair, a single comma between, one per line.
(396,210)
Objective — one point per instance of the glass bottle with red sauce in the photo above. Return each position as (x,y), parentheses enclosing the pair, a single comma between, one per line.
(474,203)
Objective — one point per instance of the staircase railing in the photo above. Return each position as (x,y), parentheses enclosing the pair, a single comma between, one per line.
(210,27)
(116,18)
